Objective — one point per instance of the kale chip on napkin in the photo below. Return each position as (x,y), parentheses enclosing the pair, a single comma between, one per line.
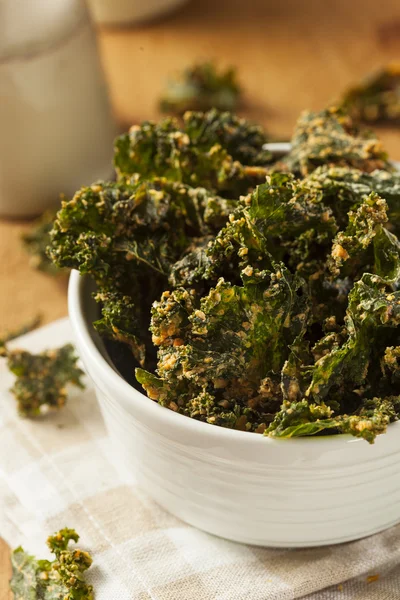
(60,579)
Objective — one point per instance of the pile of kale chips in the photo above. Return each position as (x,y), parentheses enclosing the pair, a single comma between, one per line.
(251,295)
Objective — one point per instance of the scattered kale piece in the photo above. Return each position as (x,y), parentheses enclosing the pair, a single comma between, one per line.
(218,151)
(60,579)
(376,100)
(41,379)
(37,239)
(201,87)
(331,137)
(22,330)
(265,303)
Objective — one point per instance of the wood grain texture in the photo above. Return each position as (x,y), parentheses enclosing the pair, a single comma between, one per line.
(290,55)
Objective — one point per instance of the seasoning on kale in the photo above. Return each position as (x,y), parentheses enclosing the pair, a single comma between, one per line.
(377,98)
(37,239)
(330,137)
(345,188)
(41,379)
(201,87)
(60,579)
(223,347)
(218,151)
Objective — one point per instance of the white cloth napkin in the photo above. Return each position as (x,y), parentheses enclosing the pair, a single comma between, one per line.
(57,471)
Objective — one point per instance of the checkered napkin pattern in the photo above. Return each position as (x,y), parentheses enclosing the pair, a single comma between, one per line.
(59,471)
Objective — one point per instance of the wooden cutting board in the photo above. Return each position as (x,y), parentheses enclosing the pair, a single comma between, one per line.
(291,55)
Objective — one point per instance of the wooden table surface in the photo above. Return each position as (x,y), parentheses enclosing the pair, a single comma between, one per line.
(291,55)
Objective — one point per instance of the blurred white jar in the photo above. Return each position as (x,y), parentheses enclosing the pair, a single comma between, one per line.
(56,123)
(120,12)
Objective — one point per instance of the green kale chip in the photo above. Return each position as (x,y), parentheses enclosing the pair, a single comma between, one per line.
(128,235)
(226,348)
(377,98)
(201,87)
(275,220)
(350,247)
(242,140)
(61,579)
(206,151)
(41,379)
(115,230)
(299,419)
(118,322)
(344,188)
(330,137)
(372,308)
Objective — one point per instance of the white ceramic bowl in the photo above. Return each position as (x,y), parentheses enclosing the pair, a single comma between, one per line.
(239,485)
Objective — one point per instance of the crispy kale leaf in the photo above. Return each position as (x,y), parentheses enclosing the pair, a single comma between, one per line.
(62,579)
(300,419)
(128,235)
(280,219)
(344,189)
(41,379)
(275,220)
(377,98)
(331,138)
(201,87)
(223,351)
(37,239)
(206,151)
(372,309)
(242,140)
(114,230)
(119,322)
(350,248)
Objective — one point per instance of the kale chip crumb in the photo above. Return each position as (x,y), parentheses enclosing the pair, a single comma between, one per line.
(41,379)
(60,579)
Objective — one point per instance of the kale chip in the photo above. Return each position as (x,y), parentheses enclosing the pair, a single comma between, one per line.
(41,379)
(330,137)
(61,579)
(218,151)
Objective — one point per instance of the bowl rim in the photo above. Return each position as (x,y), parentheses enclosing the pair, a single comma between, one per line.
(83,332)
